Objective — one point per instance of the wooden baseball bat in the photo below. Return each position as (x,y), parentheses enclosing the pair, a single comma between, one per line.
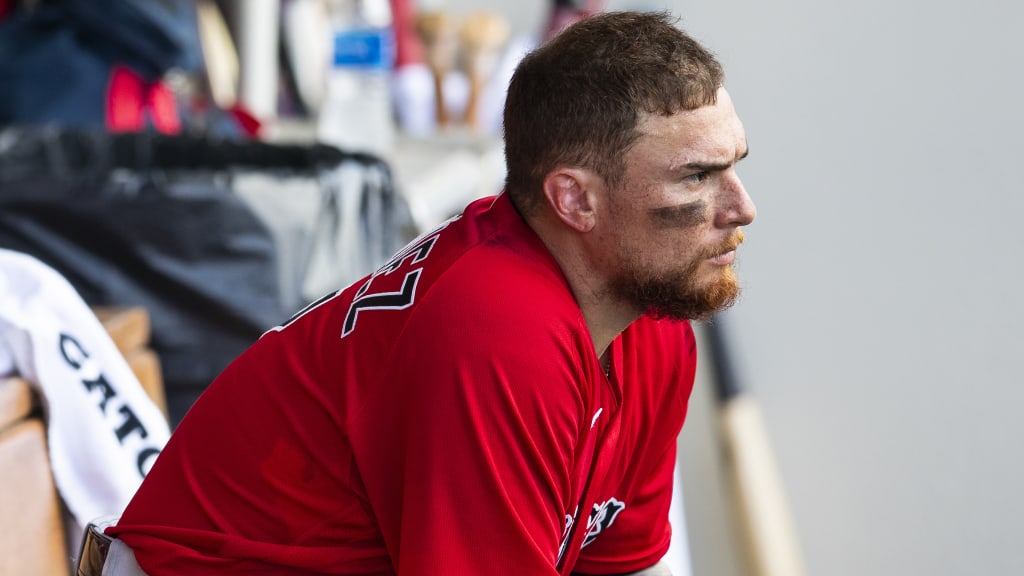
(762,511)
(438,33)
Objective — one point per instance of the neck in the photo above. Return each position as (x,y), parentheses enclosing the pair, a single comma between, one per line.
(605,321)
(606,316)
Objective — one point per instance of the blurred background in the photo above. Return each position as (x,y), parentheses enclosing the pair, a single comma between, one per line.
(879,329)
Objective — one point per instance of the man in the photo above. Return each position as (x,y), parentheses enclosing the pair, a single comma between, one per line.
(504,396)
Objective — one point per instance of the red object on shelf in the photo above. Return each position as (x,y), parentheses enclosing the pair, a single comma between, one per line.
(249,124)
(131,100)
(408,48)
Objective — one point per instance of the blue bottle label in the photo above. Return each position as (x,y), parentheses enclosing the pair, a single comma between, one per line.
(364,48)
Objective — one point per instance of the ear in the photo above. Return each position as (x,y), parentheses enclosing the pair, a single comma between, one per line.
(569,193)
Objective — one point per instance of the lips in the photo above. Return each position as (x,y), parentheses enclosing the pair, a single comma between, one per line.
(724,259)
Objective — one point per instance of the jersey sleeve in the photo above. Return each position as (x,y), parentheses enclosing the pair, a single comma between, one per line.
(467,445)
(662,360)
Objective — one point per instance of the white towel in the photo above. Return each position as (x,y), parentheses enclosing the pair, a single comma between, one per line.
(104,431)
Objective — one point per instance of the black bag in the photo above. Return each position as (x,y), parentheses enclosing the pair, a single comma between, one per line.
(177,242)
(152,220)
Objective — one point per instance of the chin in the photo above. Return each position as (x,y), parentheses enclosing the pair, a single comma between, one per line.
(699,303)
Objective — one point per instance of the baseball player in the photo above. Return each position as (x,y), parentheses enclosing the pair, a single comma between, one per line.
(503,397)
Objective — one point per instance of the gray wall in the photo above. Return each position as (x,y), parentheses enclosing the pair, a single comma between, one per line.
(880,323)
(881,317)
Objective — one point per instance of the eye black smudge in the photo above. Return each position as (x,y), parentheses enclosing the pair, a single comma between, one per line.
(681,216)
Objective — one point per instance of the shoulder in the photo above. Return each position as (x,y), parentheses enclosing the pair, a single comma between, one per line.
(499,316)
(504,283)
(501,305)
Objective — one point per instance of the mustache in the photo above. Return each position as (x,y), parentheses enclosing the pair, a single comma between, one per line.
(730,244)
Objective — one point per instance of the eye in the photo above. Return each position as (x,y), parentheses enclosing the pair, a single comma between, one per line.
(696,178)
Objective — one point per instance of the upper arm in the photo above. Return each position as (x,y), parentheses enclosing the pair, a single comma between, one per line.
(659,359)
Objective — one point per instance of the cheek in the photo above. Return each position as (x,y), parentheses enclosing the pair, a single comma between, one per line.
(662,252)
(686,245)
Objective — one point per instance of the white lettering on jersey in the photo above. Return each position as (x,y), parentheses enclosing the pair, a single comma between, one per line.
(602,516)
(415,253)
(566,532)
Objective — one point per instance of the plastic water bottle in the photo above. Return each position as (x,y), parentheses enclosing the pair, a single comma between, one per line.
(356,114)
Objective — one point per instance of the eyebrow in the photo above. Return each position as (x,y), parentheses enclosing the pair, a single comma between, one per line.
(709,166)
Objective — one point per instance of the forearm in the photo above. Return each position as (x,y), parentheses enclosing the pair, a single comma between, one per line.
(659,569)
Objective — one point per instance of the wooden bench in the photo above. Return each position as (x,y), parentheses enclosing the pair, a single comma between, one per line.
(32,532)
(32,535)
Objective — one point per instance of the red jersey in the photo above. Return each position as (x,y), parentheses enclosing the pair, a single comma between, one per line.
(445,415)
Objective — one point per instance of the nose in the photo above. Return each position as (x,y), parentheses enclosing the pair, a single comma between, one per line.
(737,209)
